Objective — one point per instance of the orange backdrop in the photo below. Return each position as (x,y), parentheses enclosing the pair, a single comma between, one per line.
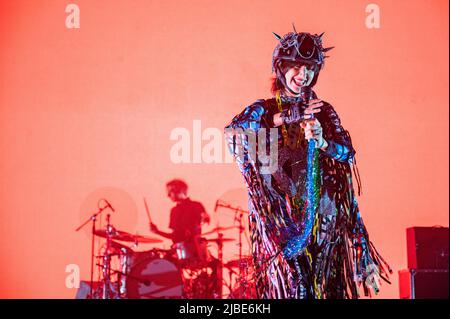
(87,113)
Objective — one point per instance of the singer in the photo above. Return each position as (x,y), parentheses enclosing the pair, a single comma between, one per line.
(308,237)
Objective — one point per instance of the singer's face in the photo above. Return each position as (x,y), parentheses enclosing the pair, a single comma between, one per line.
(299,75)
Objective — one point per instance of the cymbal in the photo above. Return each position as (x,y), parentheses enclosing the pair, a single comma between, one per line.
(124,236)
(117,249)
(120,247)
(218,229)
(217,240)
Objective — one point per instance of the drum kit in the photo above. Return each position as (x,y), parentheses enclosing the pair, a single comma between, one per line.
(188,270)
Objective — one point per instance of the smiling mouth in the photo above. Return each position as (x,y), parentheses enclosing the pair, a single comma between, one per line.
(299,82)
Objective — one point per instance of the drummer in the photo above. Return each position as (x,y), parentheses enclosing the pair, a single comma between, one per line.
(186,217)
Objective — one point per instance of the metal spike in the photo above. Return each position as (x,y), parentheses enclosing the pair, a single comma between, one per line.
(277,36)
(327,49)
(293,25)
(320,35)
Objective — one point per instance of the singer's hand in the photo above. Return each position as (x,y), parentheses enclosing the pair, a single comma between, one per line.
(313,130)
(313,107)
(291,115)
(294,114)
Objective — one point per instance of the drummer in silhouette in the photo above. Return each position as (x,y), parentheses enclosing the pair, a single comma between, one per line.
(186,217)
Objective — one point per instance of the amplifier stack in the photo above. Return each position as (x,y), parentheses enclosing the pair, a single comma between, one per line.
(427,273)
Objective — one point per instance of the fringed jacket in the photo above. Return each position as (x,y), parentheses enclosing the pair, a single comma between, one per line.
(339,257)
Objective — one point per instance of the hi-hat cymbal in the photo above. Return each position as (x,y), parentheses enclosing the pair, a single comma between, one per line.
(217,240)
(218,230)
(124,236)
(120,247)
(117,249)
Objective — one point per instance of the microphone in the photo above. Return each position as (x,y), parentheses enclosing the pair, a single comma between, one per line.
(108,204)
(305,93)
(215,207)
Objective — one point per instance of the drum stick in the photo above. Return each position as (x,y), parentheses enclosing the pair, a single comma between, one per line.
(147,210)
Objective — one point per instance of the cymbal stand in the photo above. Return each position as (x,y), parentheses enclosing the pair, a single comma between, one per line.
(220,264)
(230,285)
(238,214)
(238,217)
(106,267)
(92,218)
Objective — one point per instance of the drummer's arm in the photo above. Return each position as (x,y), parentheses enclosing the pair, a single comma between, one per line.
(155,229)
(204,217)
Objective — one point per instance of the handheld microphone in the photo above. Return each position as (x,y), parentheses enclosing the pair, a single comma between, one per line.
(305,93)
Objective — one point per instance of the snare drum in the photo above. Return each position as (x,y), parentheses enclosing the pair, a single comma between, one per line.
(192,254)
(184,250)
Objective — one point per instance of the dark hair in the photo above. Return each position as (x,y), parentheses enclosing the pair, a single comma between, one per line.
(177,185)
(276,85)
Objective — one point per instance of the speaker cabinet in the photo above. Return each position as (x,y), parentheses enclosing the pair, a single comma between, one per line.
(427,247)
(423,284)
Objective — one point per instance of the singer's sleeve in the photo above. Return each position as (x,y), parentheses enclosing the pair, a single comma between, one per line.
(366,260)
(339,142)
(237,133)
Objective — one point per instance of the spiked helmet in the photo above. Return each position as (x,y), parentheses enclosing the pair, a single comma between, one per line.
(299,47)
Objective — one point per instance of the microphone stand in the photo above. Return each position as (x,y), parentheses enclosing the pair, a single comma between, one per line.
(92,218)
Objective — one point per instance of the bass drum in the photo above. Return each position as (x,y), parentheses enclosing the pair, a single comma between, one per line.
(153,276)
